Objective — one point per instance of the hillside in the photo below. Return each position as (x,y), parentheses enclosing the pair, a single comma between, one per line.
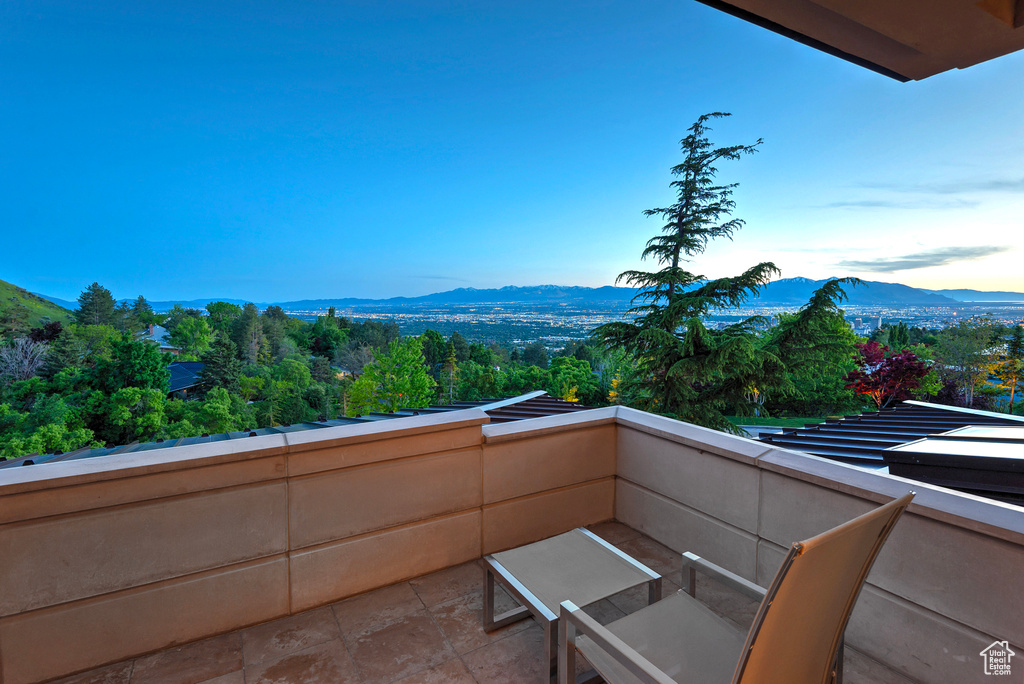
(18,302)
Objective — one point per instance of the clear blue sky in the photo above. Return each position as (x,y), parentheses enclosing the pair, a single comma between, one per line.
(276,151)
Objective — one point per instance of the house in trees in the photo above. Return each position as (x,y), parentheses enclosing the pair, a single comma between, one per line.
(160,336)
(184,376)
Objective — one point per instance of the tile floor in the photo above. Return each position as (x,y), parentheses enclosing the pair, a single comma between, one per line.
(427,630)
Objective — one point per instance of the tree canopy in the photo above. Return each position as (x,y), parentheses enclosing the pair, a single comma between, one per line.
(686,370)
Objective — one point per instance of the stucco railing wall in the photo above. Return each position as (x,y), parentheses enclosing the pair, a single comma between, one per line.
(105,559)
(949,582)
(108,558)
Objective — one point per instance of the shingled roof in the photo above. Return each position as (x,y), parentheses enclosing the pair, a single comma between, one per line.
(184,375)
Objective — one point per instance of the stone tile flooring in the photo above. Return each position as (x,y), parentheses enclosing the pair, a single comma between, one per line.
(423,631)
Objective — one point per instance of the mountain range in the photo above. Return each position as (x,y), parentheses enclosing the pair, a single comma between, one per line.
(784,292)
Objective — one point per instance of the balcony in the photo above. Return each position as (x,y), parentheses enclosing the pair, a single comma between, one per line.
(356,548)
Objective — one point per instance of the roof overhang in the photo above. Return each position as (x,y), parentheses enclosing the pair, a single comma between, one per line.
(905,39)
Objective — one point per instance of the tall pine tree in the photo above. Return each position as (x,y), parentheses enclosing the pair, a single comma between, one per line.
(686,370)
(96,306)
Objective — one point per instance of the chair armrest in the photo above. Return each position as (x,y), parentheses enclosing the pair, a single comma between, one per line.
(573,620)
(697,564)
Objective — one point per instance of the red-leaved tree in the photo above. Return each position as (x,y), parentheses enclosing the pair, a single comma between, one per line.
(886,379)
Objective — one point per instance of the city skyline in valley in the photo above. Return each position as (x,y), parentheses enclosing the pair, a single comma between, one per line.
(352,150)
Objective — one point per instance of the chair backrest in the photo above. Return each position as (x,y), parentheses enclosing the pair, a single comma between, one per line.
(801,621)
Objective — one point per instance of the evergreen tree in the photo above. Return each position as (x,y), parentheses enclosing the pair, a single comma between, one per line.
(247,334)
(434,348)
(449,376)
(535,355)
(65,351)
(96,306)
(684,369)
(816,346)
(460,345)
(142,312)
(221,367)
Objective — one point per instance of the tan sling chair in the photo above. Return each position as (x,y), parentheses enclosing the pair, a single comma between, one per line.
(796,634)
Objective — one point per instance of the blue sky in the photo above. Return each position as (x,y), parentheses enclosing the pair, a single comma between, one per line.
(275,151)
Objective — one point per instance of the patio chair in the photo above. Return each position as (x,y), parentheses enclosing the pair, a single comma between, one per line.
(797,632)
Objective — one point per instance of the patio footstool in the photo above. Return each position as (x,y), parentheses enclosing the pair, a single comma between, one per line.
(577,566)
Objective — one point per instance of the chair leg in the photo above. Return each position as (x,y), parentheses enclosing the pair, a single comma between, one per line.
(566,652)
(654,591)
(491,622)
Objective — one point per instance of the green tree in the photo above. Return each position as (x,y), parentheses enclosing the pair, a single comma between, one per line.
(251,387)
(217,413)
(134,413)
(460,345)
(1009,370)
(326,338)
(221,367)
(526,379)
(247,334)
(899,337)
(14,319)
(573,380)
(395,380)
(131,364)
(142,312)
(535,354)
(222,315)
(477,381)
(96,306)
(481,353)
(448,377)
(434,348)
(684,369)
(179,313)
(817,347)
(966,354)
(124,319)
(193,336)
(322,371)
(96,341)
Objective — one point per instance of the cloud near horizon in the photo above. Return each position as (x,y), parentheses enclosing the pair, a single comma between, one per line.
(927,259)
(900,204)
(1011,185)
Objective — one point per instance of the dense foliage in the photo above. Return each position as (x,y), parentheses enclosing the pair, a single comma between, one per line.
(102,380)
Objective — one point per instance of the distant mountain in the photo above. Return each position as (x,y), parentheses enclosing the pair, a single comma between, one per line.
(546,294)
(63,303)
(979,296)
(193,303)
(787,292)
(796,291)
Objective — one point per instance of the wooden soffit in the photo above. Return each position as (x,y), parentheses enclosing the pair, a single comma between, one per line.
(905,39)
